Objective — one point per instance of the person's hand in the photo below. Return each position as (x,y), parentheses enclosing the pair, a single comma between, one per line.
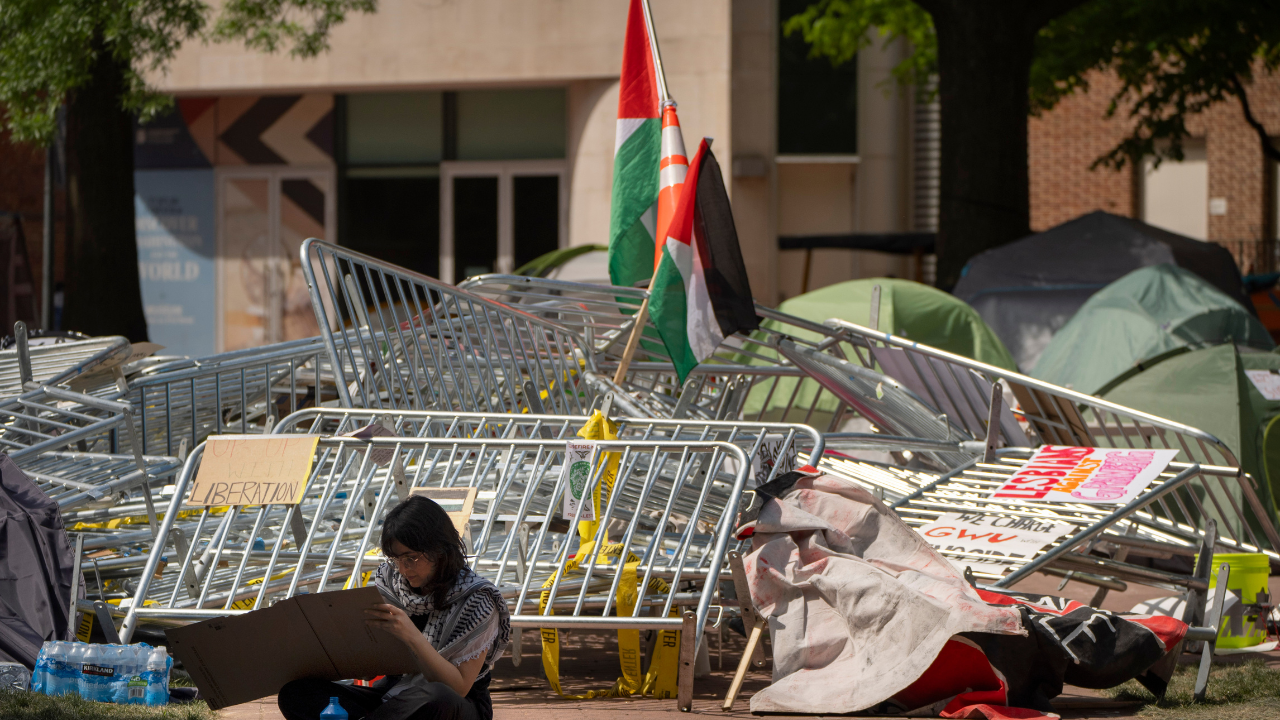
(393,620)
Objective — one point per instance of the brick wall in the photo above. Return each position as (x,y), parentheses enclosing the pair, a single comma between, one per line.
(1063,144)
(22,191)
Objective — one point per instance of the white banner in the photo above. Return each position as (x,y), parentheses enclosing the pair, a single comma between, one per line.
(995,536)
(1097,476)
(579,458)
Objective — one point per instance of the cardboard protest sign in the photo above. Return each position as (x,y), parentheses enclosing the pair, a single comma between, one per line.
(770,455)
(241,658)
(1097,476)
(579,458)
(997,536)
(254,470)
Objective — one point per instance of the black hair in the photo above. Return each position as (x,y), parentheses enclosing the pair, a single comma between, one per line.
(421,525)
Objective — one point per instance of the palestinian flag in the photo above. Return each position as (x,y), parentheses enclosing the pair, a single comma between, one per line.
(637,152)
(700,294)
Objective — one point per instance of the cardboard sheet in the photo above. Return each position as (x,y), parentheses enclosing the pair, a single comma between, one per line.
(241,658)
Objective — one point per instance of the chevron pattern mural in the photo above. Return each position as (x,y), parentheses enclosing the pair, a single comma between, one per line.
(236,130)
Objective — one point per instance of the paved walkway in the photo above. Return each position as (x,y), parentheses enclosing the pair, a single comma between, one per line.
(590,662)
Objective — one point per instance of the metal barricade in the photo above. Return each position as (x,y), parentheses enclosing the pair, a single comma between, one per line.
(1047,414)
(236,392)
(671,506)
(743,379)
(400,340)
(56,364)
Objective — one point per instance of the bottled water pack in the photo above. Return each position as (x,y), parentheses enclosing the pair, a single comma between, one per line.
(135,674)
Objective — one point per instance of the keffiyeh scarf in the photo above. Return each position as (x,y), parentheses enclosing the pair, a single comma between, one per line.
(473,621)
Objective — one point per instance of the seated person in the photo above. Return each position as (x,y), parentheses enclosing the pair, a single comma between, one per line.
(453,620)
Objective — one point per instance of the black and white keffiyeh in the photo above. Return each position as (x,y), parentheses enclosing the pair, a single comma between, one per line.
(474,620)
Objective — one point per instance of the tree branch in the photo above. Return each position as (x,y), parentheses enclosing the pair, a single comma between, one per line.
(1268,149)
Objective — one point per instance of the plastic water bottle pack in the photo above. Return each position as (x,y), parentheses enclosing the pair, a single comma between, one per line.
(124,674)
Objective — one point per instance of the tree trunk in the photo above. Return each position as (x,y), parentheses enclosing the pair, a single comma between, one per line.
(102,293)
(984,64)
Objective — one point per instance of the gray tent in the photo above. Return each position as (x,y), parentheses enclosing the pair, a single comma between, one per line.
(1027,290)
(35,568)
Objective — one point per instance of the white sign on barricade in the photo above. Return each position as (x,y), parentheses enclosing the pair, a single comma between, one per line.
(997,536)
(1101,476)
(578,461)
(771,454)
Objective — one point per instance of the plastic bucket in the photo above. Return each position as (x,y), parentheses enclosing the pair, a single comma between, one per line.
(1245,624)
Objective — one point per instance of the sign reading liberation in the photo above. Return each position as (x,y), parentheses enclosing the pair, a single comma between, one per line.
(254,470)
(1099,476)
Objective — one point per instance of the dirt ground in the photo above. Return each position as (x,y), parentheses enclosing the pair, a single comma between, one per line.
(590,662)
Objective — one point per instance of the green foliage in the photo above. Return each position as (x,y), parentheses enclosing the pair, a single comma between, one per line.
(1174,58)
(48,47)
(838,29)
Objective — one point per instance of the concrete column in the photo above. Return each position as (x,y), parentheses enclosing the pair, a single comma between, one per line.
(592,117)
(884,129)
(751,172)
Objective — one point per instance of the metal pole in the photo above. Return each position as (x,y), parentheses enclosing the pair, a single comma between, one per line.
(46,259)
(664,96)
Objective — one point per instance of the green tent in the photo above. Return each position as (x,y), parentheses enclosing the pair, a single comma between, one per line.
(1142,315)
(1210,389)
(909,309)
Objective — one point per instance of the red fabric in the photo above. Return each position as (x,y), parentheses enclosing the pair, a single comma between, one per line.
(994,712)
(960,667)
(638,89)
(998,599)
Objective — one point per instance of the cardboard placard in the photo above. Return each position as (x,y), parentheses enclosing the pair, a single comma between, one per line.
(1096,476)
(771,454)
(456,502)
(245,657)
(996,536)
(254,470)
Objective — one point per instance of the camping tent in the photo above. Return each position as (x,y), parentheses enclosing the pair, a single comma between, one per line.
(909,309)
(1211,389)
(1146,313)
(1028,289)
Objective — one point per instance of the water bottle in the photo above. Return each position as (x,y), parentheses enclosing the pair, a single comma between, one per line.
(90,671)
(54,658)
(38,673)
(334,711)
(72,667)
(157,675)
(136,686)
(14,676)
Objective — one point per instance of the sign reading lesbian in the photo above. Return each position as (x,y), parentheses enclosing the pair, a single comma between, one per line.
(1098,476)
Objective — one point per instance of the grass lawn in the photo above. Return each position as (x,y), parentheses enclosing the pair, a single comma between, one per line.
(32,706)
(1245,692)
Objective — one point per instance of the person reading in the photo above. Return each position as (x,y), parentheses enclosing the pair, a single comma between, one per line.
(454,621)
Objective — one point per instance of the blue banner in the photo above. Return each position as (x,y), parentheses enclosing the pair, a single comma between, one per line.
(174,211)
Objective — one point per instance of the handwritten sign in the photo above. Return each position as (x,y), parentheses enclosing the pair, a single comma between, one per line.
(1096,476)
(772,454)
(254,470)
(1267,382)
(996,537)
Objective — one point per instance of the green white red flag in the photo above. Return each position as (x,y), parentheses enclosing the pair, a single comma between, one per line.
(648,159)
(700,294)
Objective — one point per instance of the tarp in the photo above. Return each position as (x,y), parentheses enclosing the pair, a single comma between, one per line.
(865,615)
(1144,314)
(36,561)
(1210,389)
(1028,289)
(909,309)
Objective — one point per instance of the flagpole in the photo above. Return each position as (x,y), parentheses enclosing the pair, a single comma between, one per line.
(664,98)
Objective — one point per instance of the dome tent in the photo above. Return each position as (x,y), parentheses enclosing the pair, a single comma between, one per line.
(1030,288)
(1142,315)
(908,309)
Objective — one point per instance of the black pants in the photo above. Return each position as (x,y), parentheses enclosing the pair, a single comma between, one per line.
(306,699)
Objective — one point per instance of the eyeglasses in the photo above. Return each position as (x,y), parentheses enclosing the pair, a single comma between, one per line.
(408,560)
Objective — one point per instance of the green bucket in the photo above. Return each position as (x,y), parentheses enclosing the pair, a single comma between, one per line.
(1245,624)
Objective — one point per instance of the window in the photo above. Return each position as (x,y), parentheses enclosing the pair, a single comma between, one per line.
(817,103)
(511,124)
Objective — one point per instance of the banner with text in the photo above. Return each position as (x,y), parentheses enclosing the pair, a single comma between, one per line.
(254,470)
(1097,476)
(995,536)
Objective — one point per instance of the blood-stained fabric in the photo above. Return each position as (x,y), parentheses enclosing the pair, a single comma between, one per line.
(865,616)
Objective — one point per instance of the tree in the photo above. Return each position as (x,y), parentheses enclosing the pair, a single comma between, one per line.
(997,62)
(94,57)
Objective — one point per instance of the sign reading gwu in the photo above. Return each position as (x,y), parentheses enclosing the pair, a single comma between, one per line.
(254,470)
(1057,473)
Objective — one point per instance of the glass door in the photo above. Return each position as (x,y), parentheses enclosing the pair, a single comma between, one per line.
(496,216)
(263,217)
